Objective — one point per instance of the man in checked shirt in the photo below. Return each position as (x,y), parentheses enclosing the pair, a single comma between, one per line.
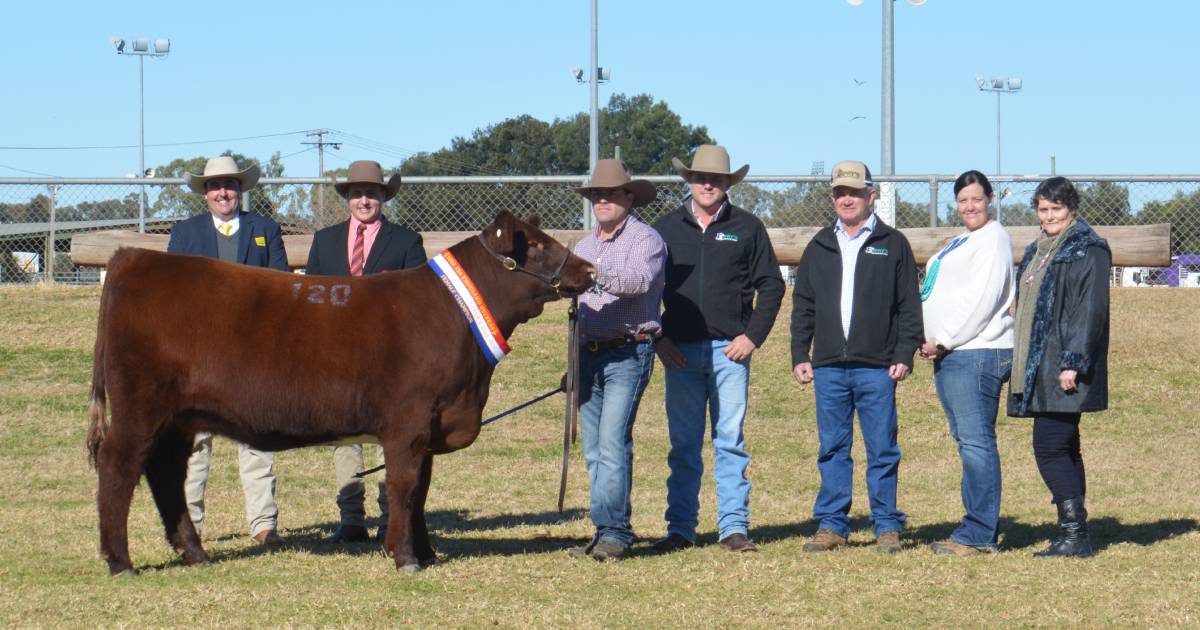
(618,323)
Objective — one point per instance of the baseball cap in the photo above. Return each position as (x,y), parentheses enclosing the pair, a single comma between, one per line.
(853,174)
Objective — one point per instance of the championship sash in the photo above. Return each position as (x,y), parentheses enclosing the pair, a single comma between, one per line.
(471,303)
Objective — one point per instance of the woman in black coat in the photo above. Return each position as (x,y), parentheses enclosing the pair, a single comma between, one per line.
(1060,354)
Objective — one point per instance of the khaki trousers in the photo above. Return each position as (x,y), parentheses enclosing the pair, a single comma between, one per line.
(258,483)
(347,460)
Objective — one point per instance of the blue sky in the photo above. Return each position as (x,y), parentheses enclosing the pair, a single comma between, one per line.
(1109,87)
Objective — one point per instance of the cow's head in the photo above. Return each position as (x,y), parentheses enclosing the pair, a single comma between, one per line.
(522,247)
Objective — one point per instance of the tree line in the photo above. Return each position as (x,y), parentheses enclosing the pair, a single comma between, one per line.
(646,132)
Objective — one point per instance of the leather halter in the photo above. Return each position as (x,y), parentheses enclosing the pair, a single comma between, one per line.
(553,280)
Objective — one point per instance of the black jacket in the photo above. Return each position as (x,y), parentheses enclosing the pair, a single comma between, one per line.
(1070,328)
(260,241)
(885,326)
(395,247)
(715,275)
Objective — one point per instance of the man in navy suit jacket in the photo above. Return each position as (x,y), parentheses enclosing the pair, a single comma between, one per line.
(363,244)
(226,234)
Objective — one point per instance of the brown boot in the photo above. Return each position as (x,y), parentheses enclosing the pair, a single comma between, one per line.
(824,540)
(888,542)
(951,548)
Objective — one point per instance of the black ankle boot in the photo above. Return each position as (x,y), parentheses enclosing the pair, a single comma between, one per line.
(1074,541)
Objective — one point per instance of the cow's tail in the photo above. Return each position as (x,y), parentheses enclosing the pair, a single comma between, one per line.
(97,420)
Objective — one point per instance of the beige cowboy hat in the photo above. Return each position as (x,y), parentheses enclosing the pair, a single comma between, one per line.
(367,172)
(613,174)
(223,167)
(711,159)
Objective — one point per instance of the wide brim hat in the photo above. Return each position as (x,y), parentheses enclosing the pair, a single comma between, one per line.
(222,167)
(711,159)
(367,172)
(614,174)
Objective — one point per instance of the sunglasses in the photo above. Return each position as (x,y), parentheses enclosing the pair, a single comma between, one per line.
(596,194)
(718,181)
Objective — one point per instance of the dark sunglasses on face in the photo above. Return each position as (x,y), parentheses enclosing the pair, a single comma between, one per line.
(596,194)
(861,193)
(719,181)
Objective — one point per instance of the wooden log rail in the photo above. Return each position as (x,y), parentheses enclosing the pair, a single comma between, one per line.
(1132,245)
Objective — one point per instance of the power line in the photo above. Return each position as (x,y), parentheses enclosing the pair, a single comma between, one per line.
(403,154)
(21,170)
(162,144)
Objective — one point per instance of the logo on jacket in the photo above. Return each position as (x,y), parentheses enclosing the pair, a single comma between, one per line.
(261,241)
(876,251)
(721,236)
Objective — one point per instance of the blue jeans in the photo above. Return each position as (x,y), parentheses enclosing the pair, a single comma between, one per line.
(841,389)
(712,380)
(968,384)
(611,382)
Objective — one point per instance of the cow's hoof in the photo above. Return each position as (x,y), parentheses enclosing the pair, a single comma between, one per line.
(127,573)
(410,569)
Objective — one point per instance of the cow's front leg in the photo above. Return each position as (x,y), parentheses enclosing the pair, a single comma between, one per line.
(403,462)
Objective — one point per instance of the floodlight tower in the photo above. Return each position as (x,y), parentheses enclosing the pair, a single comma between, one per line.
(141,48)
(999,85)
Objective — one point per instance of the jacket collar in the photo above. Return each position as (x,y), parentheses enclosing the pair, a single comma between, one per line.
(689,216)
(828,238)
(1080,238)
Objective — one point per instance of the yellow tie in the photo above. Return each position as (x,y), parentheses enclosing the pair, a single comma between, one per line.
(226,228)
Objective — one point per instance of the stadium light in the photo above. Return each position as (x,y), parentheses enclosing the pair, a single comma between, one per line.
(141,48)
(999,85)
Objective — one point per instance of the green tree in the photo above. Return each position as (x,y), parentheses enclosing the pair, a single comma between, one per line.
(1105,203)
(181,202)
(648,132)
(1183,213)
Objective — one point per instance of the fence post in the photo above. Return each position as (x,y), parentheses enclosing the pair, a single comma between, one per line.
(48,263)
(933,202)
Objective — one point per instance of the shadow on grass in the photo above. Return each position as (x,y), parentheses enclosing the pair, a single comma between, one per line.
(1016,535)
(313,539)
(1105,531)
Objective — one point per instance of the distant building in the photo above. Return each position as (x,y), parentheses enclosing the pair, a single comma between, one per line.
(1183,272)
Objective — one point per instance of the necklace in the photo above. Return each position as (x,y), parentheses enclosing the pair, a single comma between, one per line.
(931,276)
(1051,248)
(1041,266)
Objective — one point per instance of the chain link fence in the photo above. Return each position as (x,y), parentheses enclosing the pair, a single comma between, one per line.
(38,217)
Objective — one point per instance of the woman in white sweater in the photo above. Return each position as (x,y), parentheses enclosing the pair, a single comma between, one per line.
(966,295)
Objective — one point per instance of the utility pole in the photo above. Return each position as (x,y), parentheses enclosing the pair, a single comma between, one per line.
(320,144)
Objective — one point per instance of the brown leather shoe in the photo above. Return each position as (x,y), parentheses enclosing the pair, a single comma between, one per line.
(349,534)
(672,543)
(824,540)
(269,538)
(951,548)
(581,551)
(738,543)
(888,542)
(608,550)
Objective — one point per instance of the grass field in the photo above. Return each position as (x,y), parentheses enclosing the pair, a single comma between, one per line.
(501,539)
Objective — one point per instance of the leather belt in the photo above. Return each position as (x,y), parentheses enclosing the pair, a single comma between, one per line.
(619,342)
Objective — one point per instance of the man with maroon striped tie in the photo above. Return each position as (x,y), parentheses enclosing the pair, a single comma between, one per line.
(363,244)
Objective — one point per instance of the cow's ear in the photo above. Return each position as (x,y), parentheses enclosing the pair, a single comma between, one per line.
(499,235)
(534,219)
